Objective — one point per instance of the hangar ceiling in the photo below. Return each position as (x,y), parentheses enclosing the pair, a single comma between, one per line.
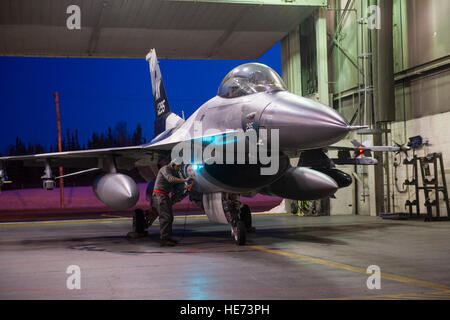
(188,29)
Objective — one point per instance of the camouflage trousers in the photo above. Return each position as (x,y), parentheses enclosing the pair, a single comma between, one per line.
(162,205)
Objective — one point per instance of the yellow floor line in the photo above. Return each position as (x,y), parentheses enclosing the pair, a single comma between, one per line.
(118,219)
(111,215)
(62,222)
(342,266)
(445,295)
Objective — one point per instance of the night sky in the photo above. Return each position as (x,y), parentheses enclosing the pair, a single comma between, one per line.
(97,93)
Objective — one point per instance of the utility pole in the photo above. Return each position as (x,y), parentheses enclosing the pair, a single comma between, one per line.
(58,123)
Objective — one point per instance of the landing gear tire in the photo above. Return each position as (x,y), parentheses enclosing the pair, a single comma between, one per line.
(240,233)
(246,217)
(139,222)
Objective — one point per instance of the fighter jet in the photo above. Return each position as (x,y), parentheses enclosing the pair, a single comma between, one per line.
(252,109)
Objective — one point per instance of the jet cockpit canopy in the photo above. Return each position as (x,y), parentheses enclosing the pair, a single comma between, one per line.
(250,78)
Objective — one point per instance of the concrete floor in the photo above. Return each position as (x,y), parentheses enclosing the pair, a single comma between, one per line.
(289,257)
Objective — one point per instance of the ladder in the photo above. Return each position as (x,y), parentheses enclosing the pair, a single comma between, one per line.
(429,186)
(413,182)
(432,185)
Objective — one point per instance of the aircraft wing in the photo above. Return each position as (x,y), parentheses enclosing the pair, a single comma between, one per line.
(125,157)
(73,154)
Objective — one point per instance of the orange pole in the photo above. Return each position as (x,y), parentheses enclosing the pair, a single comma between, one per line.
(58,123)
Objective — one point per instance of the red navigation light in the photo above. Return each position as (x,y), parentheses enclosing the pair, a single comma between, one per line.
(360,152)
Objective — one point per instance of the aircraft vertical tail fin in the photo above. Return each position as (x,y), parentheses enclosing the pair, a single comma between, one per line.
(165,119)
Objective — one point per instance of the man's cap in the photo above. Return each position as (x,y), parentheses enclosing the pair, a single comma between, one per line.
(176,161)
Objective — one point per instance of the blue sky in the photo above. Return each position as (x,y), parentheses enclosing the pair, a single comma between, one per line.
(97,93)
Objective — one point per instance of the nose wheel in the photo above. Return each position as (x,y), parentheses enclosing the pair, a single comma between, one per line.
(239,233)
(238,216)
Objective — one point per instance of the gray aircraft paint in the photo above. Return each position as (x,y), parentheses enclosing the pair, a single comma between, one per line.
(303,124)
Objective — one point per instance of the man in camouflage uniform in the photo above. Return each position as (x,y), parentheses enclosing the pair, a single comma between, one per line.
(165,182)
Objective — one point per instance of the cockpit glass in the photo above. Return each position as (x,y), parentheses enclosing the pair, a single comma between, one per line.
(250,78)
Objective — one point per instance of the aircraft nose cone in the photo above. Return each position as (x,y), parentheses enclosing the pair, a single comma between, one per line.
(303,123)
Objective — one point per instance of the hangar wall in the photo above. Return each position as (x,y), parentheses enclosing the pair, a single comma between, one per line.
(421,50)
(422,86)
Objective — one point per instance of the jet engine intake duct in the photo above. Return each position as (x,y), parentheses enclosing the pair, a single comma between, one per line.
(116,190)
(302,184)
(232,178)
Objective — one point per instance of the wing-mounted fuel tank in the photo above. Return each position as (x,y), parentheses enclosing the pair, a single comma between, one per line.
(116,190)
(302,184)
(342,179)
(319,161)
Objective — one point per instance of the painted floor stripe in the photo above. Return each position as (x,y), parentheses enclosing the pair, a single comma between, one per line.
(122,219)
(442,295)
(342,266)
(61,222)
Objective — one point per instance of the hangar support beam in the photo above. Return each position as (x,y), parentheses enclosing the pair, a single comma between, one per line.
(291,64)
(291,58)
(291,61)
(322,55)
(313,3)
(291,70)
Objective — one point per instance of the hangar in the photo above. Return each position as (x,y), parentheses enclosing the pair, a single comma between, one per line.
(382,64)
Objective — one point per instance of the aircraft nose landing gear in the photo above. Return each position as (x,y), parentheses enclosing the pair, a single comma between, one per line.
(239,217)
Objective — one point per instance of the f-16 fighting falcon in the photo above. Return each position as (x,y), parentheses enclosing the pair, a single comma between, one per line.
(259,123)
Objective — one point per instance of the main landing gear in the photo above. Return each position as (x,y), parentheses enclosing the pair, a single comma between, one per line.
(140,224)
(239,233)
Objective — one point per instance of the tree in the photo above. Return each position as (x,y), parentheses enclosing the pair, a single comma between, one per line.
(77,143)
(137,135)
(121,134)
(69,143)
(39,148)
(19,149)
(30,149)
(95,142)
(72,144)
(109,139)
